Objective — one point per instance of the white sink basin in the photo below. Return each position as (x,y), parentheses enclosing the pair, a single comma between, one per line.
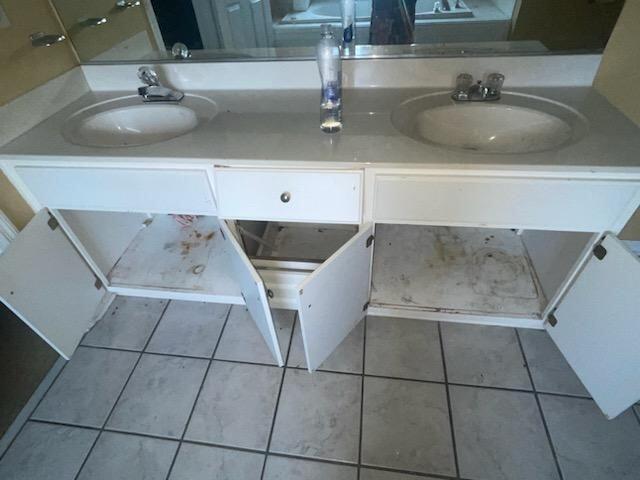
(516,123)
(128,122)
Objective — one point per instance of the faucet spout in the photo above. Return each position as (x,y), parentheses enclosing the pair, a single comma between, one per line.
(154,91)
(467,91)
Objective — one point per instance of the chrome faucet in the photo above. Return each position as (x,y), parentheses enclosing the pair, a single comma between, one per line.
(153,91)
(467,91)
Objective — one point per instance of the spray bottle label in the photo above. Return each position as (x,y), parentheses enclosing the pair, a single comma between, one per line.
(347,34)
(331,93)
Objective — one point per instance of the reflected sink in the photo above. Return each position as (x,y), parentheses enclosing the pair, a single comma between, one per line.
(516,123)
(128,121)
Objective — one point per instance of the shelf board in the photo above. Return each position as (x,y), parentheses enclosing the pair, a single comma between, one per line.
(478,271)
(168,260)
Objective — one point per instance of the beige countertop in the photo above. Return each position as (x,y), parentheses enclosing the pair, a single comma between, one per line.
(281,128)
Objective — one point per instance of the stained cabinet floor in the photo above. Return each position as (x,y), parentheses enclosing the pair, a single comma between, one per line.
(177,390)
(475,270)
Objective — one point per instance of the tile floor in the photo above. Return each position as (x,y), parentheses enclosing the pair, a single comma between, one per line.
(188,391)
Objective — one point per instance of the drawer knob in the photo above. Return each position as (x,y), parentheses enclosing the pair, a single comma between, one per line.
(285,197)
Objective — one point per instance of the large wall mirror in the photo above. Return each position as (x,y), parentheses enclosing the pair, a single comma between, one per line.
(136,30)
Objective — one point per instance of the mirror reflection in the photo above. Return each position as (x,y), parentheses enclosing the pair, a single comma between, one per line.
(132,30)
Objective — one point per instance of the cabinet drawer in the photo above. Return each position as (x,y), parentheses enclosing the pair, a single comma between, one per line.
(533,203)
(120,189)
(294,195)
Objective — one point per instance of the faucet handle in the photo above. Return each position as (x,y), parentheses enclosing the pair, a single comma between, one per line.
(494,83)
(180,51)
(148,76)
(464,81)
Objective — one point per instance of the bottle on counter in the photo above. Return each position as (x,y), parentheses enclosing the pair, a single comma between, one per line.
(330,67)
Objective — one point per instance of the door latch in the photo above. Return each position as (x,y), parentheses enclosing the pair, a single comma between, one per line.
(552,319)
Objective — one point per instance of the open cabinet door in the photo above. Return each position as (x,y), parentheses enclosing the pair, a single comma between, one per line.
(597,326)
(47,284)
(333,299)
(253,292)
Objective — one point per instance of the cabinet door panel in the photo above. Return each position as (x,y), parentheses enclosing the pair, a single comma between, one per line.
(253,292)
(47,284)
(598,326)
(332,299)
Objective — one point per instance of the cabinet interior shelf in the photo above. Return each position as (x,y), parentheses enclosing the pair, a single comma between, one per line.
(455,270)
(175,261)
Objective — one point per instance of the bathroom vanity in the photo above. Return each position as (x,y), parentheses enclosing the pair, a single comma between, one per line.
(369,222)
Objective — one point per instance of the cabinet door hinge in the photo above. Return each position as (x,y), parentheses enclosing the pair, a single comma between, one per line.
(552,319)
(52,222)
(599,251)
(370,240)
(365,306)
(98,284)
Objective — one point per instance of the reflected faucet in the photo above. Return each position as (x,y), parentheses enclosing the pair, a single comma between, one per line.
(92,22)
(467,91)
(153,91)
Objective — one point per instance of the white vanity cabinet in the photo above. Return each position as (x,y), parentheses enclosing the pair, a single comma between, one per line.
(251,246)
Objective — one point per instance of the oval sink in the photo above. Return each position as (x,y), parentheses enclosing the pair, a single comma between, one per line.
(516,123)
(128,121)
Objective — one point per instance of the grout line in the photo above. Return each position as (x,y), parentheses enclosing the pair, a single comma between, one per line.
(223,446)
(117,349)
(224,326)
(248,450)
(410,472)
(150,435)
(267,452)
(32,411)
(124,386)
(293,456)
(636,413)
(324,370)
(65,424)
(458,384)
(446,381)
(535,394)
(275,411)
(362,377)
(519,390)
(178,355)
(195,401)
